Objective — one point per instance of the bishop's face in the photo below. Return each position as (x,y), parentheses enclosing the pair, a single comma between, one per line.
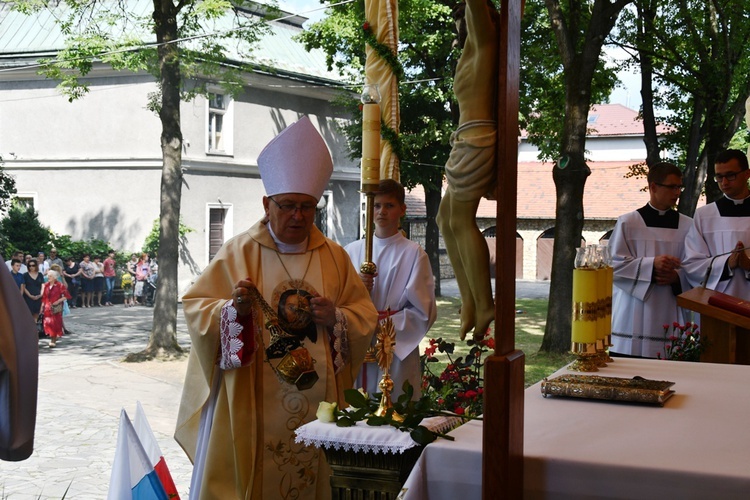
(291,216)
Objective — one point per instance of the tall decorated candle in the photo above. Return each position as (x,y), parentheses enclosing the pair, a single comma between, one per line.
(370,138)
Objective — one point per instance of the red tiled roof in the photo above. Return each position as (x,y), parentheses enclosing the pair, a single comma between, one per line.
(607,195)
(614,119)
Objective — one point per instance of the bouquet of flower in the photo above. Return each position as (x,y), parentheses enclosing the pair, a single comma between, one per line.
(459,387)
(685,342)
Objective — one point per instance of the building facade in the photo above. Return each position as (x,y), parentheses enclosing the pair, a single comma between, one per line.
(92,167)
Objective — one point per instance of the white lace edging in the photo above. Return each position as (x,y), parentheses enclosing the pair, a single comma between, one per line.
(229,332)
(364,438)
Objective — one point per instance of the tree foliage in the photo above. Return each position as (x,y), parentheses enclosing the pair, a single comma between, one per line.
(7,188)
(698,71)
(185,46)
(23,231)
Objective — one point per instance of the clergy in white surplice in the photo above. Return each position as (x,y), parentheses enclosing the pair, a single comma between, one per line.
(403,285)
(721,227)
(647,248)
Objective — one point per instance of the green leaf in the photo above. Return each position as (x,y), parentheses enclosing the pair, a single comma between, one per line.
(422,435)
(356,398)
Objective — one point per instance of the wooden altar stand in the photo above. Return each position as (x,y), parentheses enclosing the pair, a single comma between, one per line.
(727,332)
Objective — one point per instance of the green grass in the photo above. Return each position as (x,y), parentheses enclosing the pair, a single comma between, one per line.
(530,322)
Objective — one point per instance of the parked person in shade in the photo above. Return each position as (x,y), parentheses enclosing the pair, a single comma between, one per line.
(142,272)
(53,259)
(98,281)
(53,294)
(404,283)
(32,294)
(720,227)
(19,257)
(15,271)
(647,248)
(237,418)
(42,262)
(72,274)
(109,277)
(88,270)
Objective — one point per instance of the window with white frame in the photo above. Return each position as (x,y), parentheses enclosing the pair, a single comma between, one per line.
(219,126)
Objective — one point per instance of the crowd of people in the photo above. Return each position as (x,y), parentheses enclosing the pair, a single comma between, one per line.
(52,286)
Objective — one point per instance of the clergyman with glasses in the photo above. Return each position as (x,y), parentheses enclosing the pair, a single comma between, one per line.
(279,321)
(722,227)
(647,248)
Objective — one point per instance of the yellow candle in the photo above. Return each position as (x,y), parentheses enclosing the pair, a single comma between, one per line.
(608,298)
(370,146)
(583,328)
(601,300)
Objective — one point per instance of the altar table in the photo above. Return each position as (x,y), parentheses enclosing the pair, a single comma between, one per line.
(696,446)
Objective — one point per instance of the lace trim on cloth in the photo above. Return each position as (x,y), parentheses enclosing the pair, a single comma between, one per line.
(365,438)
(339,341)
(231,338)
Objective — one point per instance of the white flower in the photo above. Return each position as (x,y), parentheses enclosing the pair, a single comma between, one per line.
(326,412)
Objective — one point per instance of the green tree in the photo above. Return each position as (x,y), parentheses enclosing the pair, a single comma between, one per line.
(183,44)
(7,188)
(563,74)
(428,55)
(696,70)
(23,231)
(151,244)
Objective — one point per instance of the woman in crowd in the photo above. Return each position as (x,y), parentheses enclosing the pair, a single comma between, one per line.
(142,272)
(15,271)
(32,294)
(98,280)
(72,274)
(53,297)
(88,270)
(109,277)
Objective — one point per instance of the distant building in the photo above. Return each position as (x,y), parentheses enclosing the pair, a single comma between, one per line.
(92,167)
(614,143)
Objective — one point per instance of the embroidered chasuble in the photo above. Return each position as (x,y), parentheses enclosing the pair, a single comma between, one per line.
(248,440)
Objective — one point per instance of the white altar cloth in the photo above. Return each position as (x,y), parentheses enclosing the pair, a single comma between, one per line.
(696,446)
(366,438)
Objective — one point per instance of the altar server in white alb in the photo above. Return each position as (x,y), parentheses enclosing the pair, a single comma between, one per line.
(404,283)
(647,248)
(719,228)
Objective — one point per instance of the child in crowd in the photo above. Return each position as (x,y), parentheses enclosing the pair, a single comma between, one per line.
(127,288)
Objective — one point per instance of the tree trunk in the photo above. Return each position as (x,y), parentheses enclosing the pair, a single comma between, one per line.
(432,232)
(163,340)
(646,16)
(570,181)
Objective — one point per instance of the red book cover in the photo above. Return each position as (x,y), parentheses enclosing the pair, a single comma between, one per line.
(730,303)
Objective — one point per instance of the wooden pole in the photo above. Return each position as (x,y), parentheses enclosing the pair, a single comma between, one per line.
(502,440)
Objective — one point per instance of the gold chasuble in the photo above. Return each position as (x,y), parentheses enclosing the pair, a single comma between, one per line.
(250,451)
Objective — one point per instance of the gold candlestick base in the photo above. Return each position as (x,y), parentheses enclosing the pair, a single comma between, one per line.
(386,387)
(608,343)
(601,353)
(586,354)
